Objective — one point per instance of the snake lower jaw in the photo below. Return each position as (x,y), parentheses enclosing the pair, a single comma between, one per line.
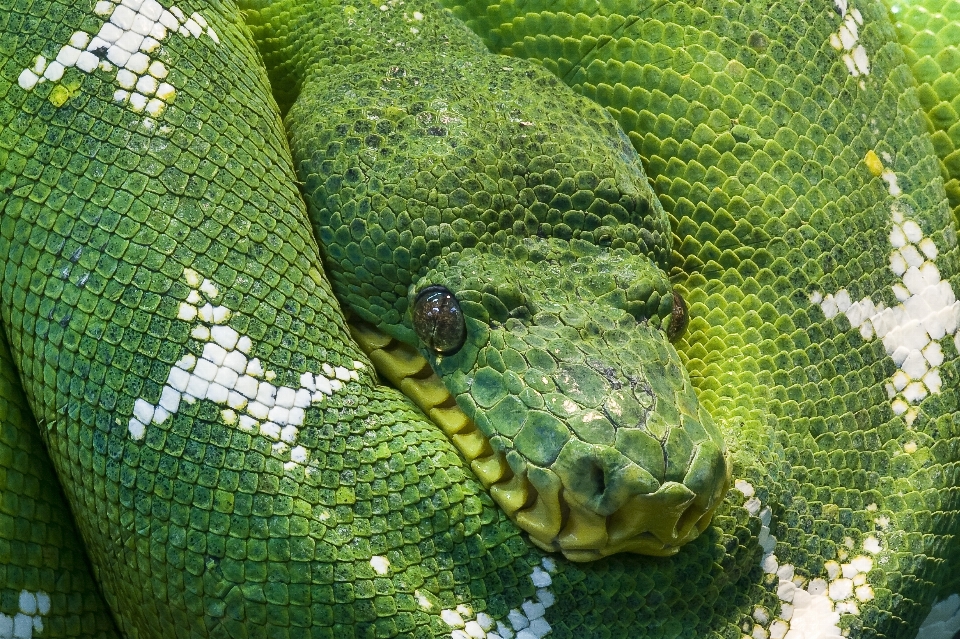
(657,523)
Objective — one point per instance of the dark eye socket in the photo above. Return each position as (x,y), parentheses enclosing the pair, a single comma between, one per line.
(679,318)
(438,320)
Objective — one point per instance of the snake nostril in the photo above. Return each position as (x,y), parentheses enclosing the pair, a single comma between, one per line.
(598,480)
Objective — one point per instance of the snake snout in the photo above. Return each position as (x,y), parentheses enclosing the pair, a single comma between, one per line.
(611,504)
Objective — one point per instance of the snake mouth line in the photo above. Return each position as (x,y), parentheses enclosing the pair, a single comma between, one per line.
(654,524)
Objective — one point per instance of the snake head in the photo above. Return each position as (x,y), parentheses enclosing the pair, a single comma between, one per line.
(479,211)
(560,353)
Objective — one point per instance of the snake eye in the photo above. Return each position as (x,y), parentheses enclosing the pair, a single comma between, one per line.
(678,318)
(438,320)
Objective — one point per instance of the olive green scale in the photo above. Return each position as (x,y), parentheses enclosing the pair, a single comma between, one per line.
(931,43)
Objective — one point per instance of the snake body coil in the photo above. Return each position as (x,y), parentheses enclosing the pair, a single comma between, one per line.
(522,262)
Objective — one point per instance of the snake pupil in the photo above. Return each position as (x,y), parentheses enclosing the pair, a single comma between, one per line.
(678,318)
(438,320)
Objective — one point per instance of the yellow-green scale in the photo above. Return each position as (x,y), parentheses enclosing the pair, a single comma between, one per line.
(930,37)
(756,134)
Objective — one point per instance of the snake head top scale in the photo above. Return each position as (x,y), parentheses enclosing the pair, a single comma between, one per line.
(474,208)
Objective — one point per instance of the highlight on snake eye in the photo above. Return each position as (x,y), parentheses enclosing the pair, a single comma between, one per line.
(491,320)
(438,320)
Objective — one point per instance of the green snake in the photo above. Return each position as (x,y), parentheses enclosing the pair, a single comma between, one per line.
(647,330)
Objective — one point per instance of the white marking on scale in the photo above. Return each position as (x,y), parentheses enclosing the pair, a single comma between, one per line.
(847,39)
(811,608)
(526,622)
(910,331)
(422,600)
(226,374)
(127,40)
(33,607)
(753,502)
(381,565)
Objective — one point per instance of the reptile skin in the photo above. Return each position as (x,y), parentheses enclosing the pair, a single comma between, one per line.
(176,179)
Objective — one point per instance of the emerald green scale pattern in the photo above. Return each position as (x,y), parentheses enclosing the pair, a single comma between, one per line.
(199,529)
(754,134)
(930,37)
(45,577)
(431,163)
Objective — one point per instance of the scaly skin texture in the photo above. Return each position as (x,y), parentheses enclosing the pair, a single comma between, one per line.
(931,43)
(44,572)
(147,246)
(758,135)
(432,166)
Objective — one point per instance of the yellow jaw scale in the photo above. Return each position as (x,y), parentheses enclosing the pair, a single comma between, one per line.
(654,524)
